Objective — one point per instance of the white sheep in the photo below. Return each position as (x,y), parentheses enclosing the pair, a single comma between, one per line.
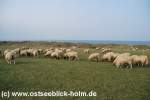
(57,54)
(120,55)
(106,50)
(48,53)
(94,57)
(68,50)
(6,51)
(72,55)
(110,56)
(23,53)
(10,57)
(123,61)
(86,51)
(140,60)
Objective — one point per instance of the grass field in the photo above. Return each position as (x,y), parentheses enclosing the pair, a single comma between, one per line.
(45,74)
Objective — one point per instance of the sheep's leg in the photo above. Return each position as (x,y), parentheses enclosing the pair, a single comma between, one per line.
(97,59)
(131,66)
(118,66)
(142,64)
(7,61)
(14,62)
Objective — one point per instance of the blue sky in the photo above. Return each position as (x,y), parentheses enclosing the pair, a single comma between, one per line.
(75,20)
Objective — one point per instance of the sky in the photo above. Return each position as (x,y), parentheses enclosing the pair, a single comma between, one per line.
(75,20)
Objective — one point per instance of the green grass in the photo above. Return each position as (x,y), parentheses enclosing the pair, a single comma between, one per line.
(45,74)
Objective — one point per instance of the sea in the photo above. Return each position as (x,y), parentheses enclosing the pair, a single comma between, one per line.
(105,42)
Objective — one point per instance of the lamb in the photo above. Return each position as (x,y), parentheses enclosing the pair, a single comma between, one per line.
(87,51)
(94,57)
(10,57)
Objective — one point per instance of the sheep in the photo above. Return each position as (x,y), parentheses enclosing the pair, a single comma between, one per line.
(74,47)
(97,48)
(144,60)
(120,55)
(6,51)
(23,53)
(122,61)
(72,55)
(17,50)
(56,54)
(40,51)
(68,50)
(35,52)
(86,51)
(110,56)
(140,60)
(10,57)
(29,52)
(106,50)
(32,52)
(48,53)
(24,48)
(94,57)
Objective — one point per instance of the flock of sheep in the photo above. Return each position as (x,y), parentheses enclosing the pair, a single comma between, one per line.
(105,54)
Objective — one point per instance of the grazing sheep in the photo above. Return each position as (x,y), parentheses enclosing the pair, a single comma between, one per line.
(57,54)
(32,52)
(68,50)
(106,50)
(17,50)
(87,51)
(35,52)
(23,53)
(123,61)
(97,48)
(6,51)
(144,60)
(120,55)
(48,53)
(29,52)
(72,55)
(10,57)
(94,57)
(40,51)
(140,60)
(110,56)
(74,47)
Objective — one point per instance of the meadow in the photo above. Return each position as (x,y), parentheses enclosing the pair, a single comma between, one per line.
(46,74)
